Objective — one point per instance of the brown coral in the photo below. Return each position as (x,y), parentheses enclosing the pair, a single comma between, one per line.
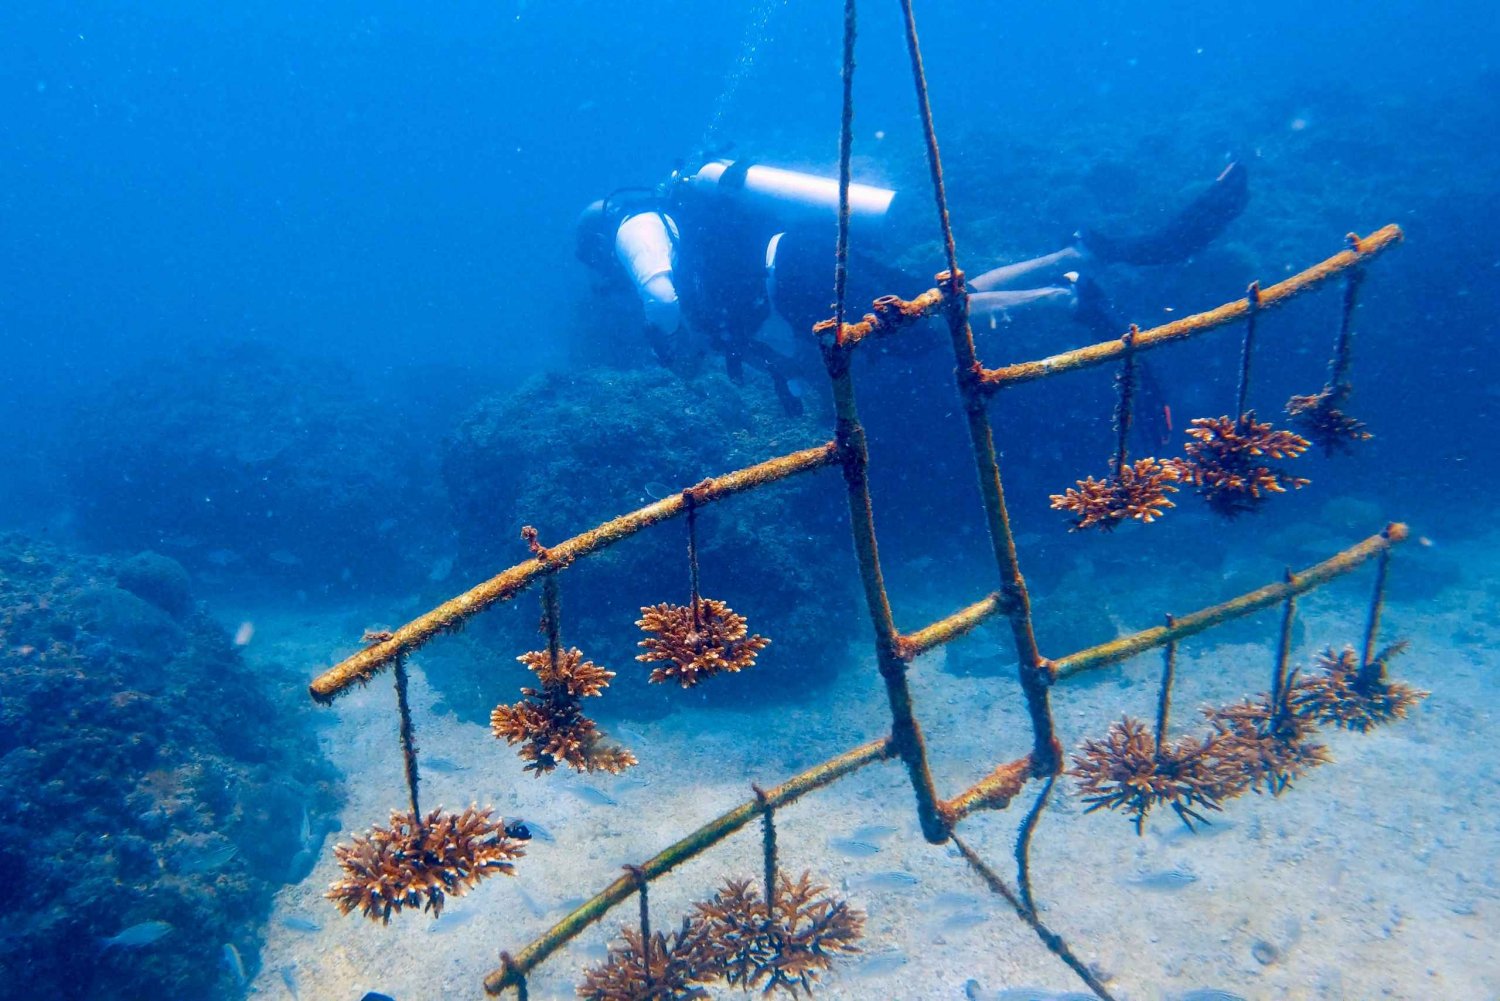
(549,722)
(1348,697)
(1227,460)
(1138,491)
(696,642)
(1261,749)
(1127,771)
(421,862)
(678,964)
(735,938)
(1321,418)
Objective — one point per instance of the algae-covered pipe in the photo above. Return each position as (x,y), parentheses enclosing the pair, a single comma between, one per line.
(451,614)
(694,844)
(1359,252)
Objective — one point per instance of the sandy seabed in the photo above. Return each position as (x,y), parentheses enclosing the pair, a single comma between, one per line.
(1377,876)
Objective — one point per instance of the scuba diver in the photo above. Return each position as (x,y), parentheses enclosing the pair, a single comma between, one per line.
(716,251)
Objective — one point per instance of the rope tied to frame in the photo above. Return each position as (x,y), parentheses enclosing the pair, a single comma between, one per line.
(768,847)
(1125,403)
(408,738)
(1247,348)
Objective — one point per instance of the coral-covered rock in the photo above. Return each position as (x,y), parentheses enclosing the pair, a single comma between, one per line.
(569,451)
(159,579)
(148,778)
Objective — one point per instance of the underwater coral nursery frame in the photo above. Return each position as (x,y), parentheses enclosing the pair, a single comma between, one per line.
(896,650)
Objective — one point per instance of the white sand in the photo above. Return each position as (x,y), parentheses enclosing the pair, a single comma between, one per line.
(1375,877)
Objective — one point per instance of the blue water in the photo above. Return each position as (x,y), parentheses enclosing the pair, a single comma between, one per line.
(288,296)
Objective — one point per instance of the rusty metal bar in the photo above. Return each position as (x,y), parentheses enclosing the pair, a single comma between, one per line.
(515,967)
(451,614)
(944,630)
(1148,639)
(1359,252)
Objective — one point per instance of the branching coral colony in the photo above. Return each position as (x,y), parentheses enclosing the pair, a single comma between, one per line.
(421,860)
(1321,415)
(1230,461)
(549,723)
(700,639)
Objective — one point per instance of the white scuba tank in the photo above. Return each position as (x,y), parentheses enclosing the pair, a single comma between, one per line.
(793,196)
(643,243)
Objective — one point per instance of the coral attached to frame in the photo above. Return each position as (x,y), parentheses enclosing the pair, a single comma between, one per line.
(1127,771)
(421,861)
(1264,748)
(1346,696)
(692,643)
(549,722)
(1138,491)
(735,938)
(1321,418)
(1228,460)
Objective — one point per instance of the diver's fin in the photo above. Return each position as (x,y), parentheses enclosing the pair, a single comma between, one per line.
(1186,233)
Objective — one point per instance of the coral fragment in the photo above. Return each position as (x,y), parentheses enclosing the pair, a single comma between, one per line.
(1138,490)
(1321,418)
(1347,697)
(1228,460)
(691,645)
(549,723)
(1127,771)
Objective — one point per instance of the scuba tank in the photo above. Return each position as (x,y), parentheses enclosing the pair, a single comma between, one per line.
(790,196)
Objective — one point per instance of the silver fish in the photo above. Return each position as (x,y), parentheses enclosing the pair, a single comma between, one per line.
(235,965)
(853,848)
(538,832)
(449,921)
(591,795)
(443,765)
(305,925)
(881,964)
(890,879)
(1163,881)
(304,833)
(205,859)
(960,920)
(873,832)
(138,935)
(289,980)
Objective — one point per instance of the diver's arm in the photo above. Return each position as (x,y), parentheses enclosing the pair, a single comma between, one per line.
(1021,273)
(983,305)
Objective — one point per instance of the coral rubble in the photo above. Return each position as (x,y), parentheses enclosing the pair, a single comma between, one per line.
(692,643)
(1128,771)
(736,938)
(1138,491)
(421,861)
(1348,697)
(1229,461)
(549,722)
(1321,418)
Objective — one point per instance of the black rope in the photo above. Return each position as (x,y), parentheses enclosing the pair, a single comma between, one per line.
(1279,688)
(552,620)
(846,146)
(640,884)
(509,966)
(1125,382)
(1370,671)
(1247,350)
(1164,698)
(768,846)
(1338,367)
(1023,844)
(690,501)
(408,737)
(934,160)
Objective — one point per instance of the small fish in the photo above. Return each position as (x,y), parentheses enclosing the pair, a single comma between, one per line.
(853,848)
(447,766)
(205,859)
(285,558)
(533,905)
(223,557)
(235,965)
(137,935)
(440,570)
(656,490)
(1199,832)
(538,832)
(873,832)
(301,866)
(1208,994)
(289,980)
(881,964)
(974,992)
(630,784)
(304,833)
(634,737)
(890,879)
(948,900)
(305,925)
(591,795)
(962,920)
(1163,881)
(450,920)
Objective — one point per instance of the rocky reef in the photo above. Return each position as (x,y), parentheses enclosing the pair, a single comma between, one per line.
(157,791)
(568,451)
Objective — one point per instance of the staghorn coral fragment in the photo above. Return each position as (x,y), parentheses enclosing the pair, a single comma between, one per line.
(1228,461)
(549,723)
(1128,771)
(1262,749)
(693,644)
(1138,491)
(786,946)
(679,962)
(1321,418)
(421,862)
(1342,696)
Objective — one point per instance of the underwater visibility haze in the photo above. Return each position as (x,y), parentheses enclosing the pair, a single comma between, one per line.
(422,467)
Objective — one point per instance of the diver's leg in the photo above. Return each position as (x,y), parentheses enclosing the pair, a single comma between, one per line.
(983,305)
(1010,276)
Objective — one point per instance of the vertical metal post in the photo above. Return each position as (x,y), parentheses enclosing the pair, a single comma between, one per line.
(1247,349)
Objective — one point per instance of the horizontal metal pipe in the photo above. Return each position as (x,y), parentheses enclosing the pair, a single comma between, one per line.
(699,841)
(363,666)
(1266,597)
(1360,251)
(944,630)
